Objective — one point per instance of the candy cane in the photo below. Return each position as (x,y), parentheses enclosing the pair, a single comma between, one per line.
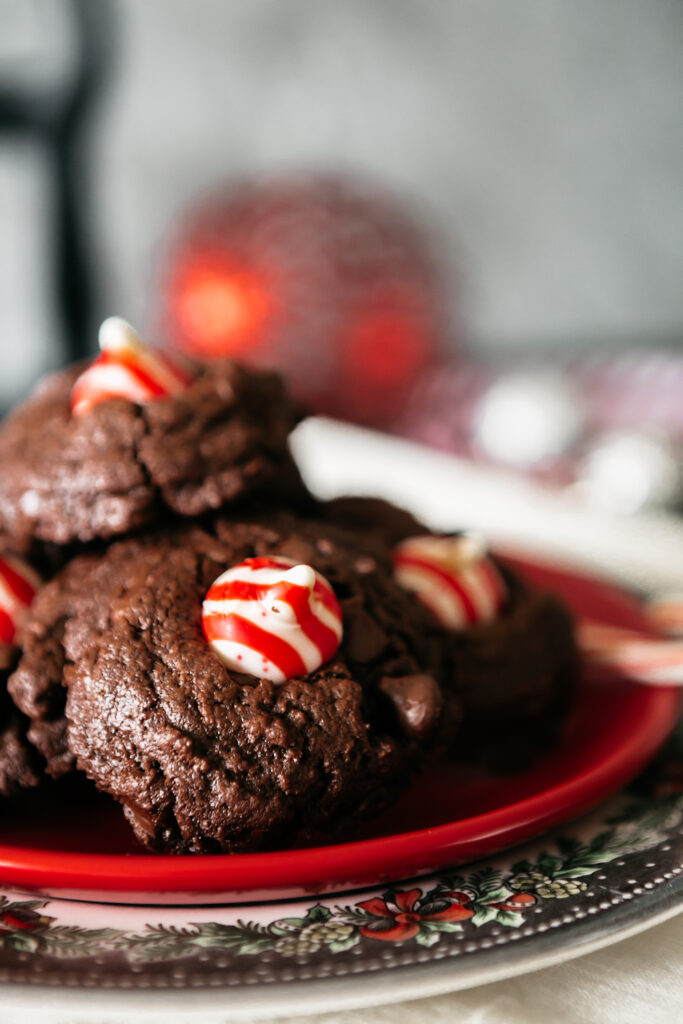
(632,655)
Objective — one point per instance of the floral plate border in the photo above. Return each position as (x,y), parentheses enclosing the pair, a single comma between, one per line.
(622,864)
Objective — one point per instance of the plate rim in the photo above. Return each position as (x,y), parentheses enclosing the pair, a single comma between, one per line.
(307,997)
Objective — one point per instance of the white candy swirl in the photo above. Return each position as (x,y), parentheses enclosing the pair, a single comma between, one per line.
(126,368)
(452,576)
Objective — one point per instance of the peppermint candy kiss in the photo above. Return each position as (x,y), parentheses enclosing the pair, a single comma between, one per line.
(452,577)
(18,586)
(272,618)
(126,368)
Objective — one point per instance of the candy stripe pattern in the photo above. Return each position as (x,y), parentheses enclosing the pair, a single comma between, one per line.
(126,368)
(18,586)
(452,577)
(632,655)
(272,618)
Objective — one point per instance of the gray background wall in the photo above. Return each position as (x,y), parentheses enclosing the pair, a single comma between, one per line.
(541,137)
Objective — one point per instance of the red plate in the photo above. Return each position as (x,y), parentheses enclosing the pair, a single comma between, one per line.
(74,842)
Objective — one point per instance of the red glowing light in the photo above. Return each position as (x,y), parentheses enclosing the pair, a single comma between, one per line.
(219,309)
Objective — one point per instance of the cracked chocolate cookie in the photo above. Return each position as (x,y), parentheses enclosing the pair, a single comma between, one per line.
(509,653)
(515,678)
(121,464)
(205,757)
(510,657)
(378,521)
(20,764)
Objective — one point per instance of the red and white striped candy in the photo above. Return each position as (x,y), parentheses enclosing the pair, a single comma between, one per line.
(126,368)
(272,618)
(632,655)
(453,577)
(18,586)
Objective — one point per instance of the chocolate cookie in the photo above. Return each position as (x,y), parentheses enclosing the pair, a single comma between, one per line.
(376,520)
(20,765)
(513,676)
(204,758)
(119,465)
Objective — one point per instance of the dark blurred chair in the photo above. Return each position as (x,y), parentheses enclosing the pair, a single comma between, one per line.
(60,120)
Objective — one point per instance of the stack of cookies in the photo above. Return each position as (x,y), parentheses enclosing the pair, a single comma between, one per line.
(235,662)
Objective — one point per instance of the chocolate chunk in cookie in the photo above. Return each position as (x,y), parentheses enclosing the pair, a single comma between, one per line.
(20,764)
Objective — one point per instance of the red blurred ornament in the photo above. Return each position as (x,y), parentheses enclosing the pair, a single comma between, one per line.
(212,301)
(326,280)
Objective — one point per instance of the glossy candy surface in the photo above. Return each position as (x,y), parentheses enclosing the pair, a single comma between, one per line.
(272,619)
(126,368)
(452,576)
